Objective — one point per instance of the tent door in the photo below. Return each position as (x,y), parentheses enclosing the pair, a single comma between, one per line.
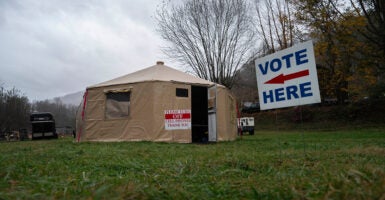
(199,124)
(212,113)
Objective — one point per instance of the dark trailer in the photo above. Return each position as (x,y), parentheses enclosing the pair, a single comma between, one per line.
(43,126)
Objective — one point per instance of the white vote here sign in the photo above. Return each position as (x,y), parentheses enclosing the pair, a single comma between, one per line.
(288,77)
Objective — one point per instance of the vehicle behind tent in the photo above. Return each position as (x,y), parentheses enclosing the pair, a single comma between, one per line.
(246,124)
(43,126)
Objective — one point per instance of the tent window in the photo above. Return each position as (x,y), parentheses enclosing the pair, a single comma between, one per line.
(181,92)
(117,105)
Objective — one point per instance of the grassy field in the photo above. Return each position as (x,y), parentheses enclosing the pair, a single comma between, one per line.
(348,164)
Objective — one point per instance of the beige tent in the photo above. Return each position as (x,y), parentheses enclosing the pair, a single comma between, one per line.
(157,104)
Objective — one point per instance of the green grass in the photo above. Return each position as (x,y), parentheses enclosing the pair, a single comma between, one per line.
(347,164)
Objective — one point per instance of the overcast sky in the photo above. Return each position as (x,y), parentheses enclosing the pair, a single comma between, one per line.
(50,48)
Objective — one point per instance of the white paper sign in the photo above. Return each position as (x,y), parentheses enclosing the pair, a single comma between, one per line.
(177,119)
(288,77)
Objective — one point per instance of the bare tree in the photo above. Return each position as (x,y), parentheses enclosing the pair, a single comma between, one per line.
(275,24)
(14,110)
(213,38)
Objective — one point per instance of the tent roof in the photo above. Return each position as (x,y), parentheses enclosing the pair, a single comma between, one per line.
(158,72)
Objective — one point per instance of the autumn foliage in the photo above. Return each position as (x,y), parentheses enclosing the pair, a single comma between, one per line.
(348,64)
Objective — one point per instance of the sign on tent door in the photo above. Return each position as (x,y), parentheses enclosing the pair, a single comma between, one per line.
(177,119)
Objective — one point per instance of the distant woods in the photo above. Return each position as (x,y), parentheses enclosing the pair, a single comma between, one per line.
(15,109)
(65,115)
(214,39)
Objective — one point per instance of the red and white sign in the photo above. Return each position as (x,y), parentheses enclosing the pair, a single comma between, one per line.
(177,119)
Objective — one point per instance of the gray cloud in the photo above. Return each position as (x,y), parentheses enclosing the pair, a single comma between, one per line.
(52,47)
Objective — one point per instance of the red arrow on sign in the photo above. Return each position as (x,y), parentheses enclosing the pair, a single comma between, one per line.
(280,79)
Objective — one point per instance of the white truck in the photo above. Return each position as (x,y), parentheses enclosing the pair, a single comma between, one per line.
(246,124)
